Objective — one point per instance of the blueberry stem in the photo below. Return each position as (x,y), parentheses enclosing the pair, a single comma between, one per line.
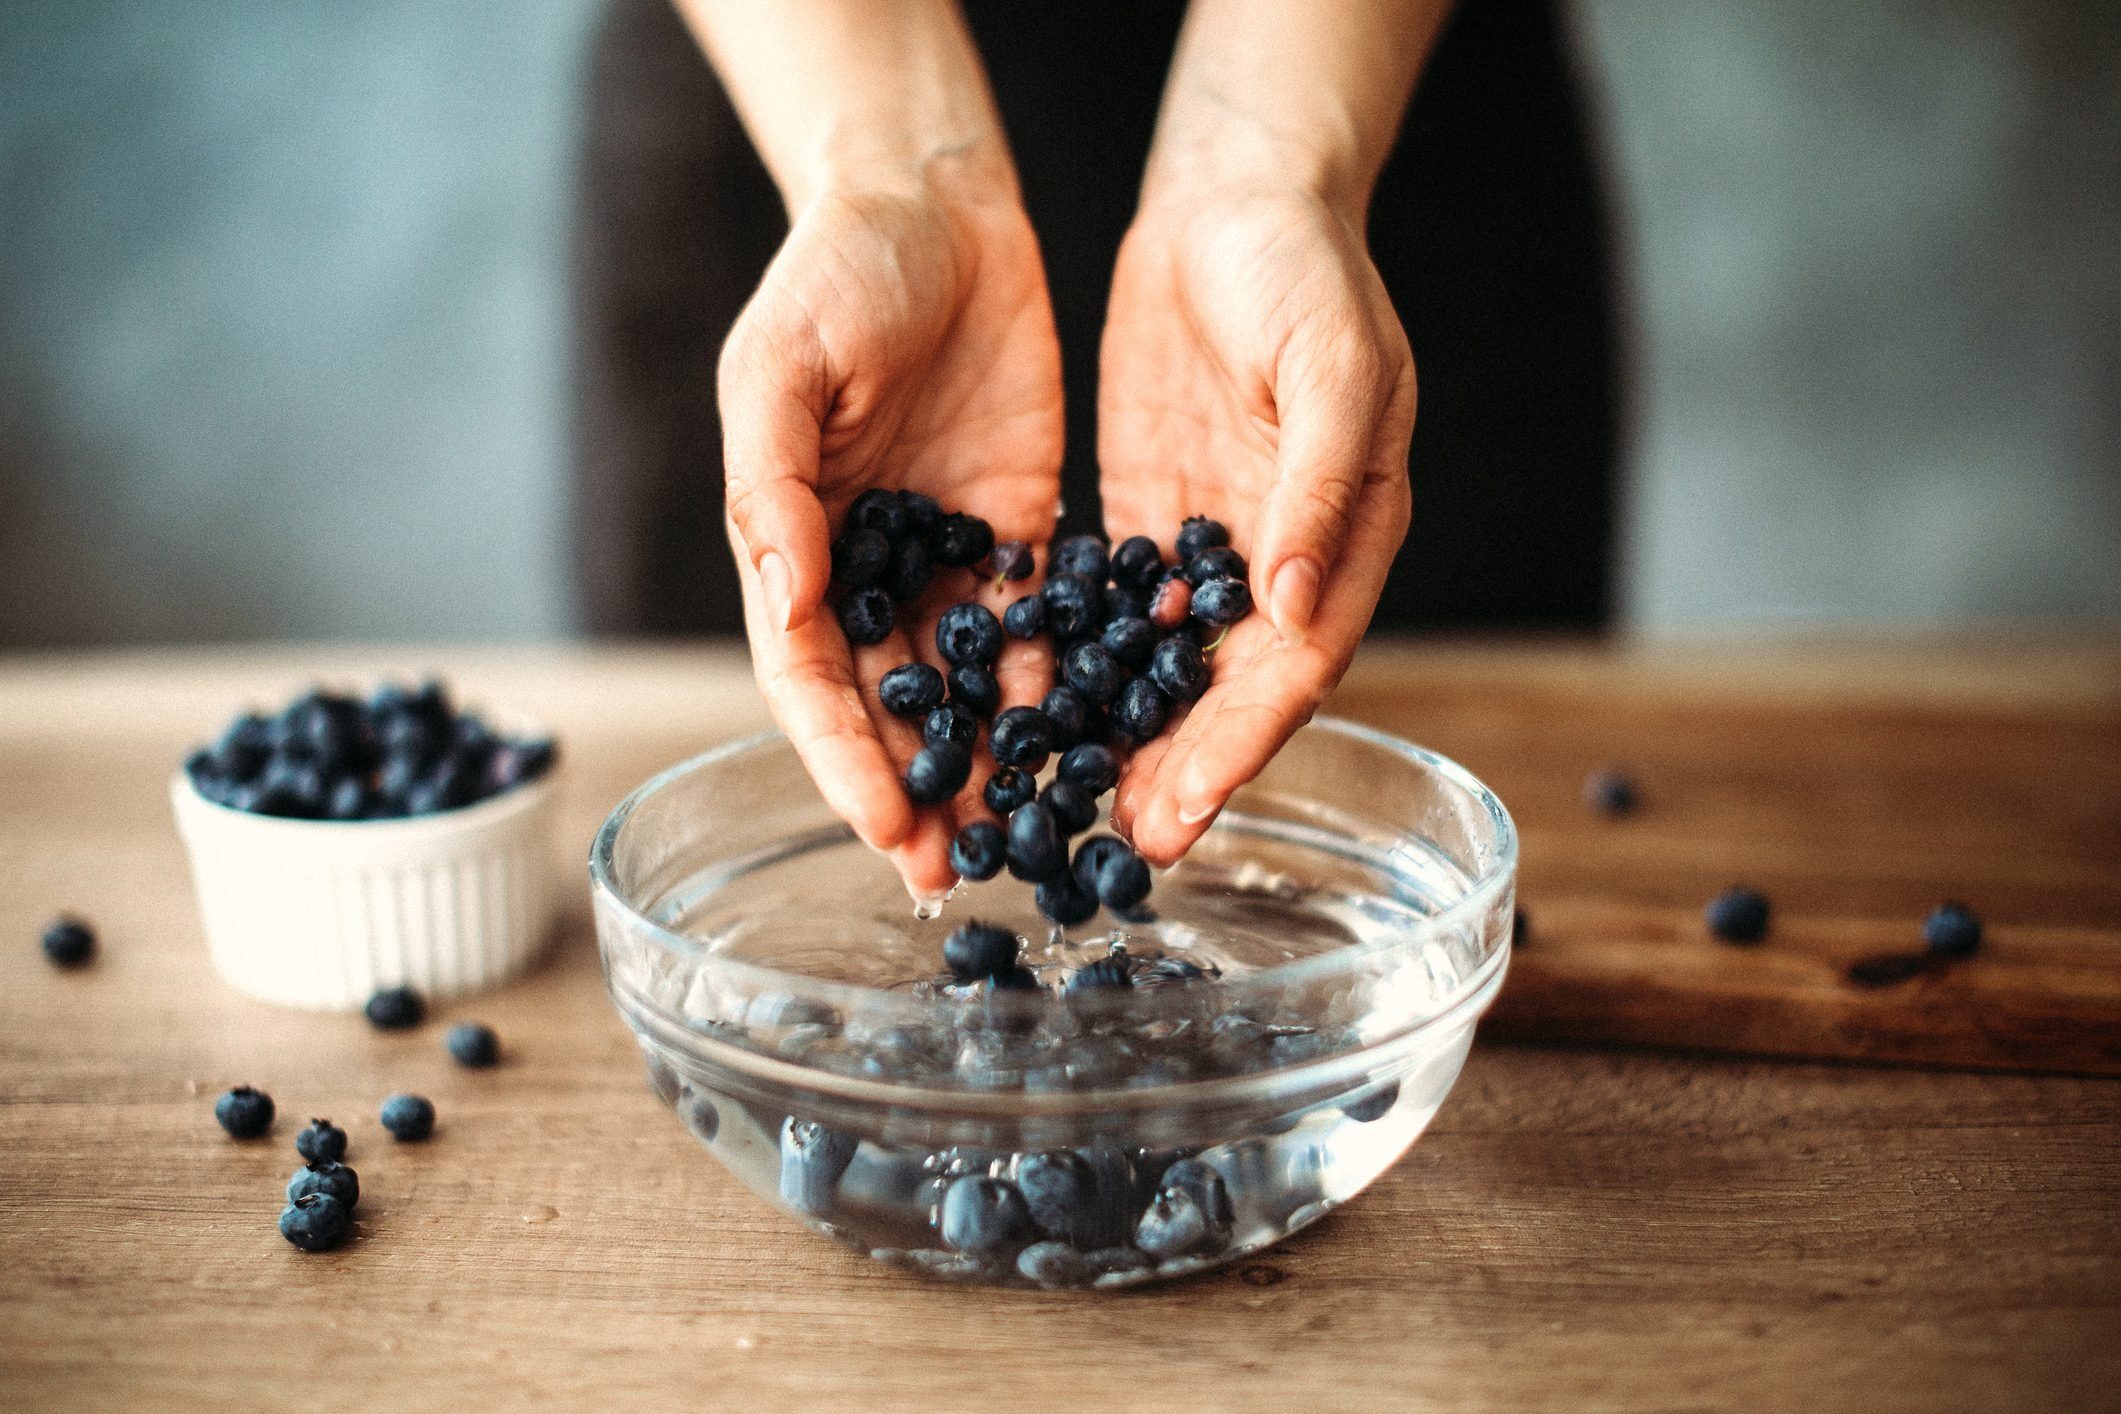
(1211,647)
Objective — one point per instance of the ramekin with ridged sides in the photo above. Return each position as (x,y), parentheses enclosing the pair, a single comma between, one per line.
(321,913)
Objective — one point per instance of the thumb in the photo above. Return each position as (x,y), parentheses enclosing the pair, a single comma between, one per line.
(770,436)
(1328,424)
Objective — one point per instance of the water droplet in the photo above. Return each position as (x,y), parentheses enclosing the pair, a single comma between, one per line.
(927,909)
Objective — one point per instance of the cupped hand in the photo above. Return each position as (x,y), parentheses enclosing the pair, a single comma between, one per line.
(900,339)
(1253,370)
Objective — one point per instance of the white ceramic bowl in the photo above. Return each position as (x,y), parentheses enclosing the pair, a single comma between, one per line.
(321,913)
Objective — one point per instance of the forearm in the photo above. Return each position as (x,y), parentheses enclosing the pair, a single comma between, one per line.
(1307,93)
(860,93)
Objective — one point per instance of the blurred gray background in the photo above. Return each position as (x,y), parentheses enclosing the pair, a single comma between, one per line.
(284,344)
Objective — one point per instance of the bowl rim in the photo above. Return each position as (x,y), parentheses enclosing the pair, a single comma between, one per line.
(1477,900)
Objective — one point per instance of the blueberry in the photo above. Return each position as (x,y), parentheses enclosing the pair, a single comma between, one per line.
(1059,1191)
(938,772)
(1198,533)
(1216,562)
(1221,602)
(1115,1266)
(812,1160)
(1011,560)
(975,950)
(1141,711)
(922,514)
(961,541)
(1952,931)
(700,1116)
(1738,915)
(1074,607)
(1137,563)
(910,570)
(1080,554)
(1063,903)
(1053,1264)
(68,942)
(408,1117)
(977,850)
(348,799)
(1014,978)
(330,1177)
(911,690)
(983,1215)
(1091,767)
(473,1045)
(950,724)
(1373,1106)
(1178,667)
(321,1142)
(244,1112)
(1131,641)
(1074,809)
(1008,788)
(860,557)
(865,616)
(1025,618)
(973,688)
(1091,670)
(1036,850)
(291,788)
(519,761)
(395,1009)
(1171,604)
(1106,972)
(879,510)
(1609,793)
(316,1222)
(1172,1226)
(1022,736)
(1069,713)
(1112,872)
(1121,603)
(969,633)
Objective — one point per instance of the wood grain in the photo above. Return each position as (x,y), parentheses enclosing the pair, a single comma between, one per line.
(1579,1230)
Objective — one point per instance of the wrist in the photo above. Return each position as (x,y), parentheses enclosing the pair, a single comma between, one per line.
(1210,147)
(958,167)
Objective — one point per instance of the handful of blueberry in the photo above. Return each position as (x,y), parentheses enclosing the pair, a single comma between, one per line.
(328,756)
(1131,636)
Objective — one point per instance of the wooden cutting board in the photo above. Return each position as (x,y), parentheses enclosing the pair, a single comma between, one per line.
(1855,784)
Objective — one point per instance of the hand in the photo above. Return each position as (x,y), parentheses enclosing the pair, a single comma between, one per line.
(1253,371)
(900,339)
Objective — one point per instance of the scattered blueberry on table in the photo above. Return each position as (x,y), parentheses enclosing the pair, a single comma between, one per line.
(473,1044)
(245,1112)
(1610,793)
(321,1142)
(1738,915)
(328,1176)
(395,1009)
(331,756)
(408,1117)
(1952,931)
(68,942)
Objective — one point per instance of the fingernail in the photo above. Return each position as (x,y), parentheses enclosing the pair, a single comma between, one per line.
(1194,814)
(773,582)
(1196,802)
(1294,597)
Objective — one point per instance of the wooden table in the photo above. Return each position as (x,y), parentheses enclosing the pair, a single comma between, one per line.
(1580,1229)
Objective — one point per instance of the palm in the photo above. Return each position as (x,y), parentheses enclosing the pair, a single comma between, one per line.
(1228,325)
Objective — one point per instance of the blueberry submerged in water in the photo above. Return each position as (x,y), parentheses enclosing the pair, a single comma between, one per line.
(973,688)
(1173,1226)
(866,617)
(937,773)
(1952,931)
(911,690)
(1089,767)
(1053,1264)
(1199,533)
(1373,1106)
(1060,1194)
(860,557)
(1103,973)
(1025,618)
(969,633)
(975,950)
(984,1216)
(1009,788)
(977,851)
(1738,915)
(812,1160)
(1022,736)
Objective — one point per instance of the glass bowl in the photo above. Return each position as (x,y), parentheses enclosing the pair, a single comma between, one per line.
(1303,989)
